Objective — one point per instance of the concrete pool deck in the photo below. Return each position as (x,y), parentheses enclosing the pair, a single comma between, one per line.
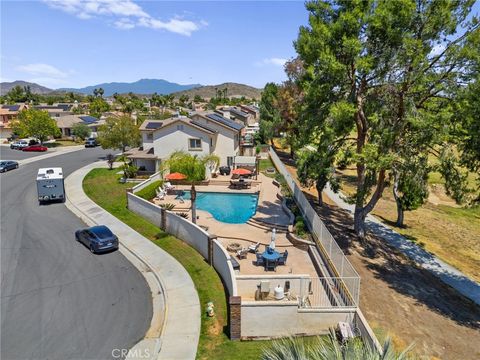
(270,214)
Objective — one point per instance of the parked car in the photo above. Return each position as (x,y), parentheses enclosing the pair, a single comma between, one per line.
(35,148)
(19,145)
(6,165)
(91,142)
(97,238)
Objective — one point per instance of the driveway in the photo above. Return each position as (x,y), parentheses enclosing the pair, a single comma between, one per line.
(58,300)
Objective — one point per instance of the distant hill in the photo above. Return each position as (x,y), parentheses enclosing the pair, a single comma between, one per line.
(143,86)
(34,88)
(233,90)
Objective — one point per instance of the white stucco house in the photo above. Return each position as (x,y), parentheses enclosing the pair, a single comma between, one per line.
(200,134)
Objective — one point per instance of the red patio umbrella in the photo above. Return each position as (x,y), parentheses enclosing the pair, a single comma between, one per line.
(176,176)
(241,172)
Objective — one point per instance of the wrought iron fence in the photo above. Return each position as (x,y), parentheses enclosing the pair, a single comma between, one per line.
(347,281)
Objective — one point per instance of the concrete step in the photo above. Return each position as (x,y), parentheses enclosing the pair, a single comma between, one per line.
(267,227)
(261,222)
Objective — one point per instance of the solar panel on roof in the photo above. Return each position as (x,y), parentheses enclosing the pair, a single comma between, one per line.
(225,121)
(154,125)
(203,126)
(11,107)
(89,119)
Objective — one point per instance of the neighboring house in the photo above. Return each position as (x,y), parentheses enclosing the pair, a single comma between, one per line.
(200,135)
(252,110)
(57,110)
(8,113)
(66,123)
(235,114)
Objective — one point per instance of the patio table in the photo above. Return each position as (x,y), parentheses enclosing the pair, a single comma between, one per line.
(271,258)
(271,255)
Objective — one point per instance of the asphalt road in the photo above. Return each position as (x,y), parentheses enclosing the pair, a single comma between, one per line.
(59,301)
(8,154)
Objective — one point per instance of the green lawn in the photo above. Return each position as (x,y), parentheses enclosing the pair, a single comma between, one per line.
(102,186)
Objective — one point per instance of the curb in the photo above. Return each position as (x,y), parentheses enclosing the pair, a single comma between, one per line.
(163,339)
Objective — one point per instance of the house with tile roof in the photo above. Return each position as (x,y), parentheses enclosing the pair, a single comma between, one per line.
(199,134)
(8,113)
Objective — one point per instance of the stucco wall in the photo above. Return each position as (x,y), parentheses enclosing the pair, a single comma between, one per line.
(284,318)
(188,232)
(143,184)
(168,139)
(144,208)
(221,263)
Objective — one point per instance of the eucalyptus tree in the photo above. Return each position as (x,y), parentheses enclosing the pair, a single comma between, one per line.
(391,68)
(269,112)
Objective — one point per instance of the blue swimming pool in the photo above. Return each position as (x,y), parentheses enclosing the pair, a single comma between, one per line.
(228,208)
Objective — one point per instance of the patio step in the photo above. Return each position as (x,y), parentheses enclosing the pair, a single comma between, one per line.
(280,229)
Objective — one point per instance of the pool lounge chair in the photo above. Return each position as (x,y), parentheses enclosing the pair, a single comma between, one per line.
(160,194)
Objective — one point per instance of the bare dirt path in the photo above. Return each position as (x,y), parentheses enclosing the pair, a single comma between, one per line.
(398,298)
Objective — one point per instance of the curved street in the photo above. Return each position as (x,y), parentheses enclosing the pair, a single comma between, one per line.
(59,301)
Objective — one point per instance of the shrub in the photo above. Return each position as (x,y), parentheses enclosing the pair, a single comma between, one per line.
(148,192)
(130,171)
(300,228)
(110,160)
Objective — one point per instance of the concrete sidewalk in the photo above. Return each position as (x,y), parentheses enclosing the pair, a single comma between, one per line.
(175,326)
(439,268)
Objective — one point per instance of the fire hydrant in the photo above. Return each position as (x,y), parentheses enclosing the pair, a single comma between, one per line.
(210,311)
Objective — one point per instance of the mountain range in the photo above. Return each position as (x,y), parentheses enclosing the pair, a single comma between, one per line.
(144,87)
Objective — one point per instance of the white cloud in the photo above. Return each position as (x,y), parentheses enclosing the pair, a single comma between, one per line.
(126,15)
(42,70)
(124,24)
(271,61)
(183,27)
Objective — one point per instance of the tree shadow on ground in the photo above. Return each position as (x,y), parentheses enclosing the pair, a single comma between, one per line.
(400,273)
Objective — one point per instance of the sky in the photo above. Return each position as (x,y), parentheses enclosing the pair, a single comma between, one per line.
(73,43)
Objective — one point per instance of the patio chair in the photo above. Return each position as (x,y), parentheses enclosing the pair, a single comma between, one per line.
(254,247)
(242,254)
(160,194)
(283,259)
(260,261)
(271,265)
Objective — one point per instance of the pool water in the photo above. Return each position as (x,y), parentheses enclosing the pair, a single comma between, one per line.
(227,208)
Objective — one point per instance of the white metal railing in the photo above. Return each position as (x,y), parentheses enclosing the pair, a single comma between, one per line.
(337,263)
(328,292)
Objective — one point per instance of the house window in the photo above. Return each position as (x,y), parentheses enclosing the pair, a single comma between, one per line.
(211,142)
(229,161)
(149,136)
(194,144)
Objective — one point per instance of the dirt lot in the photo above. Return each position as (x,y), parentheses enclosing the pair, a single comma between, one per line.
(402,300)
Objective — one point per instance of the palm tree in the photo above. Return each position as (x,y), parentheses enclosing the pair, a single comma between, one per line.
(193,168)
(330,348)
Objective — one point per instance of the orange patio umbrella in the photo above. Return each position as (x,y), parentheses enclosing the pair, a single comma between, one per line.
(176,176)
(241,172)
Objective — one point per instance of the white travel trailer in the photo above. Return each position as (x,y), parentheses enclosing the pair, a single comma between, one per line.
(50,185)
